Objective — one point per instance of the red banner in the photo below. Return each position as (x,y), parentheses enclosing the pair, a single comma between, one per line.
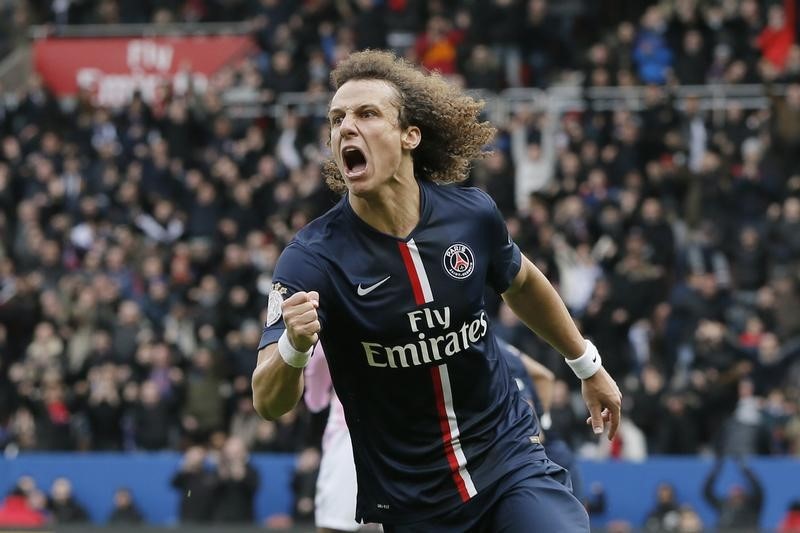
(113,68)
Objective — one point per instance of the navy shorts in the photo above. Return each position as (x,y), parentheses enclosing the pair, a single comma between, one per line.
(536,498)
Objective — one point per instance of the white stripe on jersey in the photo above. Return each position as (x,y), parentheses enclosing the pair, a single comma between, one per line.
(444,375)
(420,268)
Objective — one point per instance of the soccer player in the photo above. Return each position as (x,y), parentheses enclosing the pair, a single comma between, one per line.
(391,281)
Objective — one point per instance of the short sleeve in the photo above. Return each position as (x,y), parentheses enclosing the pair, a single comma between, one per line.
(506,258)
(297,270)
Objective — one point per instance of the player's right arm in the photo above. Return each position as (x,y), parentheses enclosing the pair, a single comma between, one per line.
(277,385)
(294,320)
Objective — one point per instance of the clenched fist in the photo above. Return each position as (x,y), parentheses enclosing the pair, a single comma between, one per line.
(300,317)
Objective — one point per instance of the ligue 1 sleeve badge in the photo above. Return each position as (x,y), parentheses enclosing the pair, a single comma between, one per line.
(458,261)
(274,305)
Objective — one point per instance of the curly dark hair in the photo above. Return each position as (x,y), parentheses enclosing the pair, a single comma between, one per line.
(452,135)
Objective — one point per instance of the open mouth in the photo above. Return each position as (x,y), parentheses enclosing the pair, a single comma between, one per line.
(355,163)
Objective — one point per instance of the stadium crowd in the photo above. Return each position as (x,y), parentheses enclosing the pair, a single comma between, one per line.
(137,244)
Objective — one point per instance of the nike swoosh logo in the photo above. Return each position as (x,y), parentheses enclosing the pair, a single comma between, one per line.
(363,291)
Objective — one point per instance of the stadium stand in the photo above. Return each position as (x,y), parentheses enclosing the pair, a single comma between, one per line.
(647,160)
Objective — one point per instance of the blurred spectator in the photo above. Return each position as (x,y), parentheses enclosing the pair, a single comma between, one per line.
(692,63)
(606,320)
(690,521)
(791,520)
(266,437)
(578,272)
(666,514)
(370,24)
(129,325)
(16,510)
(482,69)
(304,483)
(245,421)
(125,510)
(785,229)
(629,443)
(619,526)
(152,418)
(501,24)
(651,53)
(105,408)
(64,508)
(596,500)
(677,433)
(543,49)
(203,408)
(237,483)
(197,485)
(436,47)
(564,420)
(496,176)
(533,154)
(741,508)
(779,34)
(53,414)
(648,403)
(785,109)
(750,261)
(284,76)
(744,433)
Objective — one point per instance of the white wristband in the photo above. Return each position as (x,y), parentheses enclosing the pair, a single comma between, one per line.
(587,364)
(292,356)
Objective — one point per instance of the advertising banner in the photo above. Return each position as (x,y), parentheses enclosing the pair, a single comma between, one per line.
(111,69)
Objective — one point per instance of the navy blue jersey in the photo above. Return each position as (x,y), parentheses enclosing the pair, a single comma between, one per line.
(432,410)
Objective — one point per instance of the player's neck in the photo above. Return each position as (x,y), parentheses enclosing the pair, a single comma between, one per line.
(394,210)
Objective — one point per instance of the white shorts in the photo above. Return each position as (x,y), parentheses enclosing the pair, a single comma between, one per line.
(335,502)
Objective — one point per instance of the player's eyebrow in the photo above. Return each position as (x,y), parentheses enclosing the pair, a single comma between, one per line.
(360,107)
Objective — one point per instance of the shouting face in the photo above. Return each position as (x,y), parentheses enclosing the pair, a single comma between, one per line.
(369,145)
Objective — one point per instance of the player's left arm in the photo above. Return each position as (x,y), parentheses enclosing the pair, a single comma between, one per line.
(534,300)
(543,379)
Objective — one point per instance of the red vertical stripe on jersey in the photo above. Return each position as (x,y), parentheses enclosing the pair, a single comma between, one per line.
(447,438)
(419,297)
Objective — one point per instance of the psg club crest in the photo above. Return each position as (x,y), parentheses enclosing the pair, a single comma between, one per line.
(458,261)
(275,302)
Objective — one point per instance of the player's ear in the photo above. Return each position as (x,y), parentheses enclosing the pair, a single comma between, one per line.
(411,138)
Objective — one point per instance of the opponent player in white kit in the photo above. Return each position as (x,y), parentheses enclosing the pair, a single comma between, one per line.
(335,502)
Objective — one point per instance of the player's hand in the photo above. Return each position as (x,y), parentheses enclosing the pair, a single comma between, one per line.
(604,400)
(300,317)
